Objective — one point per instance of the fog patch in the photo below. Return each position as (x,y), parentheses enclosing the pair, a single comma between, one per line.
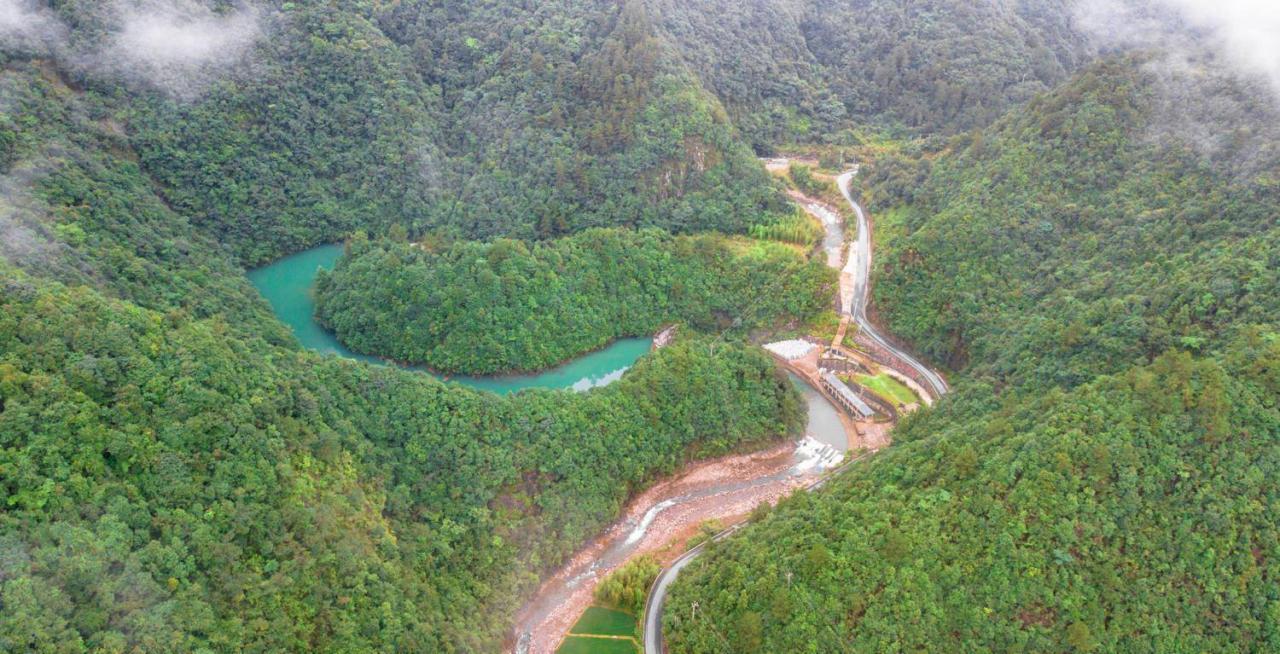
(15,560)
(1224,118)
(177,46)
(27,225)
(20,241)
(29,28)
(1242,34)
(1245,32)
(1214,69)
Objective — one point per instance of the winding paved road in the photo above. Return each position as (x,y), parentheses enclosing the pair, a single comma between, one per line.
(855,296)
(859,267)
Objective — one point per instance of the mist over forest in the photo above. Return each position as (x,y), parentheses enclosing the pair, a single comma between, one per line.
(1073,207)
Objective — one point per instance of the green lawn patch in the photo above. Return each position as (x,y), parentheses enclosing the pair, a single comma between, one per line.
(598,645)
(606,622)
(888,388)
(588,645)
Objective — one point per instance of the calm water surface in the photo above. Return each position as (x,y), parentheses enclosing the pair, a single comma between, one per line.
(288,283)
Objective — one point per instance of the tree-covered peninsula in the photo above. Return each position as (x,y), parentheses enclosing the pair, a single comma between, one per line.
(482,308)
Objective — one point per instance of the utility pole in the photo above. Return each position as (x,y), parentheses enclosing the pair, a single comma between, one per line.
(693,611)
(835,632)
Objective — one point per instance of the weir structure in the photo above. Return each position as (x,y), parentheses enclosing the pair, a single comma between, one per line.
(844,396)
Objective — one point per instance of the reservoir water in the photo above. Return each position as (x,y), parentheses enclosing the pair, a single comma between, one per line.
(824,423)
(288,285)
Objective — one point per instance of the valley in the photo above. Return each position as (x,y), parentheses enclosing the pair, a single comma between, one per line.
(462,327)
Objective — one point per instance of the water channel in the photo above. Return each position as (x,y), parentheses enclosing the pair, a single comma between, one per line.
(288,285)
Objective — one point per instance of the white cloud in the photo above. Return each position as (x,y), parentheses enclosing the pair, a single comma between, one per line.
(1242,33)
(29,28)
(179,47)
(1247,32)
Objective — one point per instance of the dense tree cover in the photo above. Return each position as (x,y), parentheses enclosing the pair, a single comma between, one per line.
(608,125)
(533,120)
(627,587)
(1079,235)
(170,488)
(485,118)
(798,229)
(799,70)
(1134,513)
(1103,478)
(481,308)
(176,476)
(809,184)
(76,207)
(940,65)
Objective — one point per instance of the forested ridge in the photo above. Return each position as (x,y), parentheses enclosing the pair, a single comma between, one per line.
(176,476)
(1089,247)
(483,119)
(1103,477)
(1133,513)
(494,118)
(482,308)
(1083,233)
(811,70)
(170,488)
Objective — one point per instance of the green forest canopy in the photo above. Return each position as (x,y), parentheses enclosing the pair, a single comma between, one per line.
(1103,477)
(482,118)
(482,308)
(172,488)
(541,119)
(175,475)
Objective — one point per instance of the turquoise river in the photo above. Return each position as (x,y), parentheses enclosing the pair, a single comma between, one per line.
(287,286)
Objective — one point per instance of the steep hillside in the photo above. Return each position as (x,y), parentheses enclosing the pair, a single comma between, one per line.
(170,488)
(277,126)
(1088,232)
(1130,514)
(799,70)
(281,125)
(1101,477)
(565,115)
(176,476)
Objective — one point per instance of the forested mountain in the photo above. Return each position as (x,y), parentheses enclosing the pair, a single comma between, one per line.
(288,124)
(1096,228)
(801,70)
(1091,247)
(176,476)
(171,488)
(575,114)
(478,308)
(485,119)
(1134,513)
(1101,478)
